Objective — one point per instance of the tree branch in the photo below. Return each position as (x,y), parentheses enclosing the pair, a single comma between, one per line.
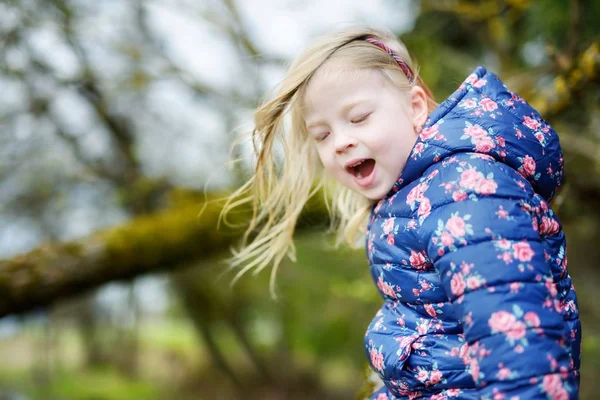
(89,88)
(586,70)
(158,242)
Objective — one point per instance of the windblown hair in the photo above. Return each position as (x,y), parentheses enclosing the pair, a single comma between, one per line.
(279,188)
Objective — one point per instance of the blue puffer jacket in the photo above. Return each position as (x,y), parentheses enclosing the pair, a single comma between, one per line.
(471,260)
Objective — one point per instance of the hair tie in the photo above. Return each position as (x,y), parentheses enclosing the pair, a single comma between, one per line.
(391,52)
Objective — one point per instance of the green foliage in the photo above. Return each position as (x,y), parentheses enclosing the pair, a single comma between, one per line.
(170,335)
(97,384)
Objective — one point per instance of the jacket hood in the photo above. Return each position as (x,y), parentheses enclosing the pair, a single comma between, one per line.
(483,116)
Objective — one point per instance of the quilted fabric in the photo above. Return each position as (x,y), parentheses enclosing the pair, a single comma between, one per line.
(471,260)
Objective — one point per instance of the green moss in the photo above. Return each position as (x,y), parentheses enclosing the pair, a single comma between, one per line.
(74,249)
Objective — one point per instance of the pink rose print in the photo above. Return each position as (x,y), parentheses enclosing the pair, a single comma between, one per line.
(390,239)
(503,244)
(469,178)
(405,341)
(430,310)
(447,239)
(501,321)
(388,226)
(429,132)
(486,186)
(488,104)
(551,286)
(376,359)
(418,149)
(457,284)
(424,208)
(416,193)
(479,83)
(517,331)
(473,282)
(552,384)
(400,320)
(424,284)
(484,144)
(423,326)
(471,79)
(469,318)
(503,373)
(519,349)
(386,288)
(514,287)
(474,366)
(522,251)
(447,186)
(423,375)
(419,260)
(518,133)
(382,396)
(435,377)
(506,257)
(468,104)
(540,137)
(456,226)
(549,226)
(475,132)
(459,196)
(502,213)
(465,268)
(530,123)
(532,319)
(528,166)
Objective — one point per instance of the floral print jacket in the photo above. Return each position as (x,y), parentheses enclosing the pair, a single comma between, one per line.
(471,260)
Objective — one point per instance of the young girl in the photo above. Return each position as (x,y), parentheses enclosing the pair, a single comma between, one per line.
(462,244)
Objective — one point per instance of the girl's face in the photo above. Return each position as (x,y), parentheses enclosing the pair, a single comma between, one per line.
(363,127)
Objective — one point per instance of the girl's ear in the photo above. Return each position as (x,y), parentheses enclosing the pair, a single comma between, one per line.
(418,102)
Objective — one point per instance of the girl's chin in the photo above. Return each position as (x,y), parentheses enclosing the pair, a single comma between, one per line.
(374,193)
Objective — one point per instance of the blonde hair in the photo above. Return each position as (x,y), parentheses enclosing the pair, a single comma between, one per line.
(278,191)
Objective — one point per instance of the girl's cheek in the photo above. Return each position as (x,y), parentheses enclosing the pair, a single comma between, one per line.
(322,158)
(328,166)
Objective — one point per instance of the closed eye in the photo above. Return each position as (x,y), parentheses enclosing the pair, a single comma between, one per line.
(322,136)
(361,119)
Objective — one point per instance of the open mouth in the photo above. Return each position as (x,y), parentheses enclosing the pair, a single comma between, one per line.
(362,169)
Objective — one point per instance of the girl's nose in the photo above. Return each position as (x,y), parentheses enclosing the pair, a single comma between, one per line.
(343,143)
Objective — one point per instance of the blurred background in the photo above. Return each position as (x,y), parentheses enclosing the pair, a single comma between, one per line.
(116,116)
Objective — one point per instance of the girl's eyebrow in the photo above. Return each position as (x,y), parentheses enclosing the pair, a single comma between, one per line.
(345,108)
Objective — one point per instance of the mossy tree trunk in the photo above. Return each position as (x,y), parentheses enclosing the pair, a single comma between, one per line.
(156,242)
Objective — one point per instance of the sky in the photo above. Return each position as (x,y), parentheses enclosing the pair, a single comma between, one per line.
(279,28)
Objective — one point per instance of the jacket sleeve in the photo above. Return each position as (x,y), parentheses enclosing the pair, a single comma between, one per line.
(381,394)
(481,233)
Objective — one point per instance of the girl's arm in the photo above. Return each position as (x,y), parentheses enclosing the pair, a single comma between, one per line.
(482,234)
